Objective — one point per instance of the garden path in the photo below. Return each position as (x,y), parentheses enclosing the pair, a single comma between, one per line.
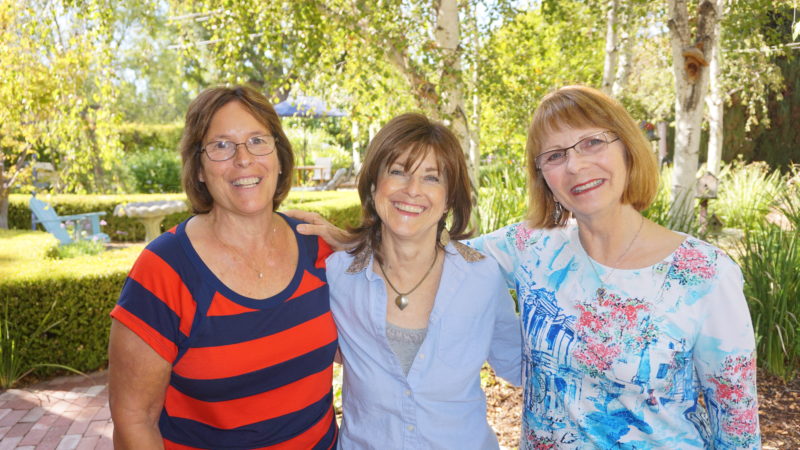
(64,413)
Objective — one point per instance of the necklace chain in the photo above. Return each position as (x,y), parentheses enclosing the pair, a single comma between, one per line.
(239,254)
(613,268)
(402,298)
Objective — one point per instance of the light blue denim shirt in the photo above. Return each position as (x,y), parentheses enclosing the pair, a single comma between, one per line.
(440,403)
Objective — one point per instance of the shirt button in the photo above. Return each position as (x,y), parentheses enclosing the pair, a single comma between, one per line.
(407,392)
(410,427)
(422,356)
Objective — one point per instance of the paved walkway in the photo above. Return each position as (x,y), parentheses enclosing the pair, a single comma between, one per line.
(64,414)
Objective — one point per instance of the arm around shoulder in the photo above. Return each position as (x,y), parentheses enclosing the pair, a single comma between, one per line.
(138,380)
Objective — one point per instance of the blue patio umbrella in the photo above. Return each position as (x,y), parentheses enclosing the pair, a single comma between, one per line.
(309,107)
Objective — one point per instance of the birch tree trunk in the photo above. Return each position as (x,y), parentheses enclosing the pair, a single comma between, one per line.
(689,60)
(715,101)
(625,44)
(612,50)
(452,108)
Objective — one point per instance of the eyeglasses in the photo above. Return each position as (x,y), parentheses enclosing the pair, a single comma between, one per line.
(225,150)
(590,145)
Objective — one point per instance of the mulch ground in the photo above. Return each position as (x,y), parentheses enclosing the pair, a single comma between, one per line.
(779,412)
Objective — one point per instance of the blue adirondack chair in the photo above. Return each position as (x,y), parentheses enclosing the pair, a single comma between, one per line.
(44,214)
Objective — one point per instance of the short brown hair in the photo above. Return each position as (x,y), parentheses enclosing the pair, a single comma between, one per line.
(579,107)
(416,134)
(198,120)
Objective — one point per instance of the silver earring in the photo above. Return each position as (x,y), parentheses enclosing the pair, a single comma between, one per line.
(558,211)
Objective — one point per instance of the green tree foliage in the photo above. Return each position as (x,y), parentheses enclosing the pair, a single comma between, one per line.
(56,87)
(529,56)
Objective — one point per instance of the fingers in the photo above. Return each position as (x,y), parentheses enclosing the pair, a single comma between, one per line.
(305,216)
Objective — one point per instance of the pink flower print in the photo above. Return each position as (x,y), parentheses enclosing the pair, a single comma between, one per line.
(608,325)
(691,265)
(522,237)
(735,393)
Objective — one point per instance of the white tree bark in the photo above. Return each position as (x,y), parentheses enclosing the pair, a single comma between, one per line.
(623,59)
(715,101)
(691,80)
(452,108)
(612,49)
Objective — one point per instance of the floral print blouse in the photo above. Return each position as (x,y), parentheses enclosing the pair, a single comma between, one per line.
(658,357)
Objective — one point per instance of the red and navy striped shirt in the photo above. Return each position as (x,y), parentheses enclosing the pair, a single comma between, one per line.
(246,373)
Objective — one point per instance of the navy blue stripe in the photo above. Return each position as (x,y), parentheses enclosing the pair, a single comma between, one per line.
(260,434)
(150,309)
(259,381)
(225,330)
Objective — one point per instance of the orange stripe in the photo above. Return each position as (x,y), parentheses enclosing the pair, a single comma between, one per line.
(173,230)
(237,413)
(155,275)
(307,284)
(163,346)
(208,363)
(306,440)
(324,250)
(223,306)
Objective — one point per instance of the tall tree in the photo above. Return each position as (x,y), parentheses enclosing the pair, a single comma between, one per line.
(691,50)
(56,87)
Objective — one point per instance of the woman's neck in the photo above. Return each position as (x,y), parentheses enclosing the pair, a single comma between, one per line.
(255,231)
(611,238)
(407,255)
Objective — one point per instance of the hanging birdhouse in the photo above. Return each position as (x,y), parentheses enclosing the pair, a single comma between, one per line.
(694,61)
(707,186)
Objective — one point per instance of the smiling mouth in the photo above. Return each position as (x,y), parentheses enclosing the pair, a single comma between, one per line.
(247,182)
(409,208)
(587,186)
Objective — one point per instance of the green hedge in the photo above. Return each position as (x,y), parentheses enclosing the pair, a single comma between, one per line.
(342,207)
(86,288)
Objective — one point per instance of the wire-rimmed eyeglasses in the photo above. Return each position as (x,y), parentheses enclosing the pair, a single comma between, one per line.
(590,145)
(224,150)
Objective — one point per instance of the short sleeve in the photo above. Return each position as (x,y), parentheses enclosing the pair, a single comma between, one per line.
(156,305)
(724,356)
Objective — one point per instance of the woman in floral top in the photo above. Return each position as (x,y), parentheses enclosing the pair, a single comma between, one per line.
(626,323)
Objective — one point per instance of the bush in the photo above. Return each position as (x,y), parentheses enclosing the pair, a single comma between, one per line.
(144,137)
(76,249)
(155,171)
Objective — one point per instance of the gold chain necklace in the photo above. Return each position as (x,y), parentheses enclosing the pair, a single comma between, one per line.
(613,268)
(402,298)
(239,254)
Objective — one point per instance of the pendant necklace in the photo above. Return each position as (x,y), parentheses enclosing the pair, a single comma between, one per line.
(402,298)
(601,290)
(237,253)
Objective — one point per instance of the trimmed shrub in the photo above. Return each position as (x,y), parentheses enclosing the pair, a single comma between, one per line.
(155,171)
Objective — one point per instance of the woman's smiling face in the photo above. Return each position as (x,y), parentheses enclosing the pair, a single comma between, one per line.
(586,184)
(244,184)
(411,203)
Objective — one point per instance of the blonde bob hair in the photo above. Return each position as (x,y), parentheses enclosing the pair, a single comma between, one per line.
(585,107)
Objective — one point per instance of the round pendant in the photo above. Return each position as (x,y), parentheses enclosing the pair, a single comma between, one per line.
(401,301)
(260,275)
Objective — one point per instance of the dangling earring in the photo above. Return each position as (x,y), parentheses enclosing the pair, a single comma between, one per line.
(444,237)
(558,211)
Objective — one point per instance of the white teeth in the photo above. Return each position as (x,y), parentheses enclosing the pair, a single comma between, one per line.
(409,208)
(586,186)
(249,181)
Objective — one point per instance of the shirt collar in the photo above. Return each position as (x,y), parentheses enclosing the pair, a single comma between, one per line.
(363,259)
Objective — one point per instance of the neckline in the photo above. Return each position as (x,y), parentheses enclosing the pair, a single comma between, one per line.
(210,279)
(574,239)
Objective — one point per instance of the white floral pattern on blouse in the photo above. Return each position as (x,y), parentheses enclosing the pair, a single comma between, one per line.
(621,364)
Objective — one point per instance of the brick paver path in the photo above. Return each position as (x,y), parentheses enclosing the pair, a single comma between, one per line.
(64,413)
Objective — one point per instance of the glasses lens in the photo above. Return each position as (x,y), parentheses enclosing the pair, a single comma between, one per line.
(552,158)
(261,145)
(592,144)
(220,150)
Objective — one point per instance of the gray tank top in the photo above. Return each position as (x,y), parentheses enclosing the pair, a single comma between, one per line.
(405,342)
